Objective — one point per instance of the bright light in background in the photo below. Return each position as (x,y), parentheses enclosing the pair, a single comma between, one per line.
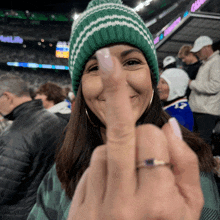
(137,8)
(75,16)
(197,4)
(185,14)
(142,5)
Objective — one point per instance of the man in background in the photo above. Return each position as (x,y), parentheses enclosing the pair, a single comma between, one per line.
(204,99)
(53,98)
(27,147)
(191,63)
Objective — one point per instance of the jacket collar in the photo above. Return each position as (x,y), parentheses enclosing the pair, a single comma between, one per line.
(61,107)
(169,102)
(24,108)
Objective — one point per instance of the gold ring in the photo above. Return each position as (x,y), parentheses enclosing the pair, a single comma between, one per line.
(152,163)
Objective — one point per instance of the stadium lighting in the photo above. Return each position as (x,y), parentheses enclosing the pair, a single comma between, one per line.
(75,16)
(142,5)
(139,7)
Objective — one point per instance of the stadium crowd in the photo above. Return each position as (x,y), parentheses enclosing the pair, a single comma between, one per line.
(30,55)
(39,77)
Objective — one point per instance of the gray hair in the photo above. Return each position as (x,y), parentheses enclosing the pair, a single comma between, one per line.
(13,84)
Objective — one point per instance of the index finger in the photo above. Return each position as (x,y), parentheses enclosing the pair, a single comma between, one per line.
(120,123)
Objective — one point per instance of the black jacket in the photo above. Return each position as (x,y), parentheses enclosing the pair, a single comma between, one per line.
(27,151)
(192,70)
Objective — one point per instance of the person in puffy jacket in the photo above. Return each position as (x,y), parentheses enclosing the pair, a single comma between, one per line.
(27,148)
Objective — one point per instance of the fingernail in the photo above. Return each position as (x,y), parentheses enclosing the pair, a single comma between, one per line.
(176,128)
(105,60)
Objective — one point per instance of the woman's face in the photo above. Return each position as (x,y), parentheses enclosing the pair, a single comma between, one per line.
(138,81)
(163,89)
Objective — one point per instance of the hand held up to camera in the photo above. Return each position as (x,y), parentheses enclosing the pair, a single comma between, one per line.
(113,187)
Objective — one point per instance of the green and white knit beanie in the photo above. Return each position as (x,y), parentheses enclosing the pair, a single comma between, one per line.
(102,23)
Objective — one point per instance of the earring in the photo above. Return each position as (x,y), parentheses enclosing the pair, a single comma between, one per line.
(150,101)
(151,98)
(94,125)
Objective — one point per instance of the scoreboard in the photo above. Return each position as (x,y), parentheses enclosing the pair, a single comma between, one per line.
(62,49)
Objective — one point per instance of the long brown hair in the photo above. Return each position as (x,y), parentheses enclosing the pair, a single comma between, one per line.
(82,138)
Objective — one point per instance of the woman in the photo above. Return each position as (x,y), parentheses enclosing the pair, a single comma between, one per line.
(172,89)
(119,94)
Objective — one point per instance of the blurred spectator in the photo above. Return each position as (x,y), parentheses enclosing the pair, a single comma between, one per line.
(53,98)
(169,62)
(216,140)
(70,97)
(192,63)
(160,68)
(66,90)
(172,88)
(27,148)
(205,95)
(32,93)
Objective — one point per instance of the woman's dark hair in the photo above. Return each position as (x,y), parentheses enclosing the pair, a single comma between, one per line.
(82,138)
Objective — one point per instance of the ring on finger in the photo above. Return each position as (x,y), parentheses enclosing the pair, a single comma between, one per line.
(152,163)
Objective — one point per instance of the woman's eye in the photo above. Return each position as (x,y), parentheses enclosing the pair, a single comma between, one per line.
(132,62)
(93,68)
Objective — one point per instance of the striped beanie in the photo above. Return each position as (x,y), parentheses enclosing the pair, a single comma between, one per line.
(102,23)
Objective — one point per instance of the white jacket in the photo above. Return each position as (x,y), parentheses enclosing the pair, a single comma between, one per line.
(205,94)
(61,107)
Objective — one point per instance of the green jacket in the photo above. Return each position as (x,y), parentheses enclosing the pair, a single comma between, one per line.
(52,203)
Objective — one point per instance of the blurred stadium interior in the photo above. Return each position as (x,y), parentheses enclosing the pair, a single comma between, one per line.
(34,34)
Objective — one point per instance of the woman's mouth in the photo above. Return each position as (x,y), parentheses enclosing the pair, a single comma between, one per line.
(131,97)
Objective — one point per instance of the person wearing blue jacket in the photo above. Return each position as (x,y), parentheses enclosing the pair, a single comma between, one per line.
(172,88)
